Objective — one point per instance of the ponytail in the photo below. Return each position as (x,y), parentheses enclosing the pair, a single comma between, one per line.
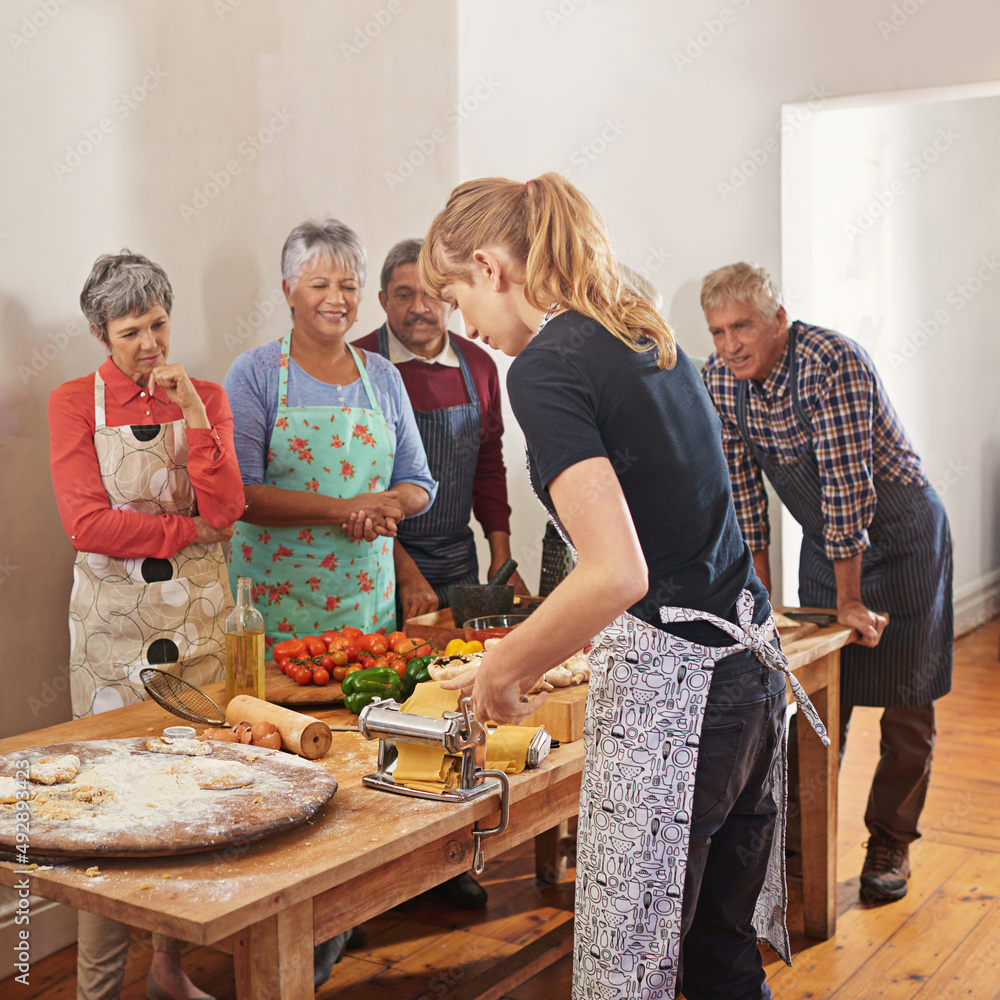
(561,252)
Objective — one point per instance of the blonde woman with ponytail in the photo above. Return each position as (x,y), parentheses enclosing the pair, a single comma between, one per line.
(680,803)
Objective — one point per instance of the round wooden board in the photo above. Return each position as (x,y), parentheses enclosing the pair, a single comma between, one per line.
(156,806)
(279,689)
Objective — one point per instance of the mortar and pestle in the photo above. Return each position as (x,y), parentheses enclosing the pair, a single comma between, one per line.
(474,600)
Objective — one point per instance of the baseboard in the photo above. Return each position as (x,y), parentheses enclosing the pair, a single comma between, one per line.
(51,927)
(977,603)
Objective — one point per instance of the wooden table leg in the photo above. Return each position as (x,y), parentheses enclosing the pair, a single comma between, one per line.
(550,859)
(818,772)
(273,959)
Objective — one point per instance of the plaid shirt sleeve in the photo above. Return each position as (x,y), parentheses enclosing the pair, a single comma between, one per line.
(749,496)
(842,441)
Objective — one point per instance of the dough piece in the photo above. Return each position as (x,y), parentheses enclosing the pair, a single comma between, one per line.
(444,668)
(55,770)
(216,775)
(96,796)
(9,787)
(188,748)
(220,782)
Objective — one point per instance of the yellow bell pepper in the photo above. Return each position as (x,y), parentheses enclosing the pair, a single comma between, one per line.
(459,647)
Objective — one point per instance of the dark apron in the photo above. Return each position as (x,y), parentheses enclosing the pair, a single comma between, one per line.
(441,541)
(906,572)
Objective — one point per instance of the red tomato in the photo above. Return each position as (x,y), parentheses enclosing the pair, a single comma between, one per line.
(326,662)
(350,632)
(397,662)
(303,675)
(413,648)
(329,636)
(321,676)
(380,661)
(373,643)
(314,645)
(395,639)
(339,657)
(289,649)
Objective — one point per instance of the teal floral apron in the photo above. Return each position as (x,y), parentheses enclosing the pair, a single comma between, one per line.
(310,578)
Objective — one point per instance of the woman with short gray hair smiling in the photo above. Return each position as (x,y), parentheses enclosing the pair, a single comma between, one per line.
(330,453)
(148,487)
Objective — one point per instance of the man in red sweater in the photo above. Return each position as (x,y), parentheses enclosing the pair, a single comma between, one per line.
(455,391)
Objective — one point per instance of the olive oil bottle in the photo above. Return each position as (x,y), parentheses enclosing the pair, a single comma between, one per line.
(244,645)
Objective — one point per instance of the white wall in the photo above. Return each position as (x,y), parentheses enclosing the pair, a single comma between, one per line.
(892,215)
(669,118)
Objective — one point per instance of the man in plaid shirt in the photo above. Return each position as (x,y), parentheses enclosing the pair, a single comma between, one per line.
(806,407)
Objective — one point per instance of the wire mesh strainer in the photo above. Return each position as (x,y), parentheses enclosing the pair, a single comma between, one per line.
(180,698)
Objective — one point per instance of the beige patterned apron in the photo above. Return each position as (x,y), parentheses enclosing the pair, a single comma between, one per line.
(126,614)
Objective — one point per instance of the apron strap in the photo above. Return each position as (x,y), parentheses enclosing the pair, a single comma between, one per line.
(362,371)
(470,385)
(100,420)
(286,354)
(756,638)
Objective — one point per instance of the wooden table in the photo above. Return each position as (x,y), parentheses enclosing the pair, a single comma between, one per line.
(815,661)
(366,850)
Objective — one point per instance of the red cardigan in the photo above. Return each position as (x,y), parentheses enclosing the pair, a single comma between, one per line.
(88,519)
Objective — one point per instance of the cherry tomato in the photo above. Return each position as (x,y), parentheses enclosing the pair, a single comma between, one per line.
(290,648)
(396,639)
(350,647)
(339,657)
(351,668)
(314,645)
(413,648)
(398,663)
(379,661)
(303,675)
(326,662)
(350,632)
(321,676)
(339,673)
(372,643)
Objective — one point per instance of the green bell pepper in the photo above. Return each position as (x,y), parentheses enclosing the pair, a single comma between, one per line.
(365,686)
(416,673)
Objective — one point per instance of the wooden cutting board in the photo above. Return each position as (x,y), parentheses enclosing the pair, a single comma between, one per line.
(562,713)
(280,689)
(128,802)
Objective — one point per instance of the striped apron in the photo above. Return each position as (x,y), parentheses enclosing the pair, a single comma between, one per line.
(906,572)
(441,541)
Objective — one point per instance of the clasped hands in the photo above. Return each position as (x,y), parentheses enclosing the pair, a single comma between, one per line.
(376,514)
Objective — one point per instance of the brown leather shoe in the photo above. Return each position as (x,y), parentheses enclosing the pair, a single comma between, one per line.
(886,870)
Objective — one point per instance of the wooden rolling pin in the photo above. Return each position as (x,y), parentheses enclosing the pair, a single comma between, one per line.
(301,734)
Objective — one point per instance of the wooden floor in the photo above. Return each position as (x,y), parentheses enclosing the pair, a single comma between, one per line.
(941,942)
